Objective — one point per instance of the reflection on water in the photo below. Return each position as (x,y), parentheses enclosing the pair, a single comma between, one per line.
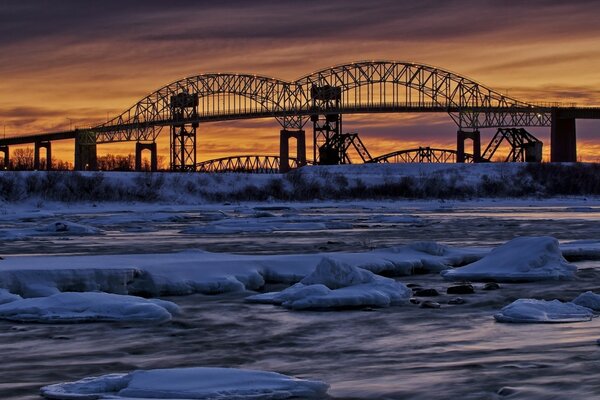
(455,352)
(361,228)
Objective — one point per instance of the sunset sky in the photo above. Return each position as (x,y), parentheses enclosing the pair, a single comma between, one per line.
(80,61)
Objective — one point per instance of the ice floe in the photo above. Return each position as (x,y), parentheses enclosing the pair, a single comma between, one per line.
(266,223)
(203,272)
(88,306)
(337,285)
(59,228)
(531,310)
(189,383)
(519,260)
(589,300)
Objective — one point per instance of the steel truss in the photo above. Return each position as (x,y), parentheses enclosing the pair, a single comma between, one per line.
(244,163)
(421,155)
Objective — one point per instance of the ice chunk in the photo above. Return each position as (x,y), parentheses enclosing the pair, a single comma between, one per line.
(588,299)
(8,297)
(335,275)
(61,228)
(66,227)
(189,383)
(88,306)
(531,310)
(290,295)
(337,285)
(581,250)
(520,260)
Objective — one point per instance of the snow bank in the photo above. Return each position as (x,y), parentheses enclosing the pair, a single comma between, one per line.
(189,383)
(530,310)
(589,300)
(202,272)
(337,285)
(89,306)
(520,260)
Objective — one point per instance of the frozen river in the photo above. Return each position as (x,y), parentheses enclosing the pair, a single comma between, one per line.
(454,352)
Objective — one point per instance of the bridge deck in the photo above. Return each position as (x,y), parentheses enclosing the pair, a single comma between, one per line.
(563,112)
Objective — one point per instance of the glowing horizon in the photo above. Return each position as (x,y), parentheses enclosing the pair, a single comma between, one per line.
(72,63)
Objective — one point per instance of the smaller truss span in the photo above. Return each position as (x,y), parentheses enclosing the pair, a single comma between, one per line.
(258,164)
(420,155)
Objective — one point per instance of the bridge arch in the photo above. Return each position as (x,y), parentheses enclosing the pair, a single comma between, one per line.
(366,87)
(221,96)
(244,163)
(420,155)
(369,86)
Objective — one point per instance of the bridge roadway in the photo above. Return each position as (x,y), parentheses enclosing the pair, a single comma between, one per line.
(321,97)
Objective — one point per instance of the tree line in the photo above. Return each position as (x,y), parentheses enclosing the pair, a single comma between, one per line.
(22,160)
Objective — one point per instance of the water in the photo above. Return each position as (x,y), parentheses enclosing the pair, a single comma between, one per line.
(455,352)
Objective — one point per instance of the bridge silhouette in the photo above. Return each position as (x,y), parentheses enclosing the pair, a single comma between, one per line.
(321,99)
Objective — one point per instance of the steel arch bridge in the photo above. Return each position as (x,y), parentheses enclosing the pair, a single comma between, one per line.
(244,163)
(421,155)
(321,97)
(366,87)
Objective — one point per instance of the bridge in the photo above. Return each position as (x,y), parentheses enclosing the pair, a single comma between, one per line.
(321,99)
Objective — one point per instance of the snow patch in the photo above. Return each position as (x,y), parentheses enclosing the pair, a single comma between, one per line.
(88,306)
(522,259)
(189,383)
(531,310)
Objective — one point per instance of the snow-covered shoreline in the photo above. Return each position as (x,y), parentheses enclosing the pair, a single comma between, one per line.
(361,181)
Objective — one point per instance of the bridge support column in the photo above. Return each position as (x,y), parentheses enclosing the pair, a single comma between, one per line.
(36,155)
(327,125)
(284,149)
(85,154)
(6,161)
(461,136)
(139,148)
(563,139)
(184,113)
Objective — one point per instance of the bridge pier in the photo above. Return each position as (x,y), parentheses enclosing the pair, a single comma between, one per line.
(85,154)
(563,138)
(4,150)
(36,154)
(284,149)
(461,136)
(139,148)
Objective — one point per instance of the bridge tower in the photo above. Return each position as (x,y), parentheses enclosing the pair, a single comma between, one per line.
(86,158)
(184,113)
(327,124)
